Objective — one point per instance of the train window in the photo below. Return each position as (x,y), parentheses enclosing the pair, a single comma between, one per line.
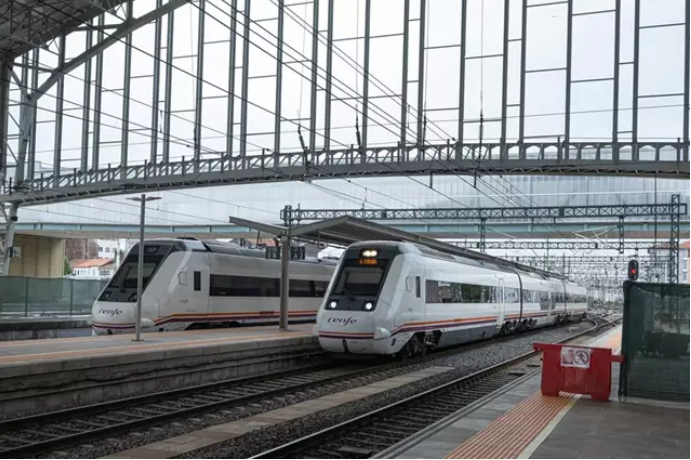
(320,288)
(444,292)
(527,295)
(250,286)
(418,288)
(471,293)
(300,288)
(197,281)
(431,291)
(359,281)
(242,286)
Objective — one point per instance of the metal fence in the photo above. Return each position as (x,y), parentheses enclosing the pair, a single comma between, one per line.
(655,341)
(21,296)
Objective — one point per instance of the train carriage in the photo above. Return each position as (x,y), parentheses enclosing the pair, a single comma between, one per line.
(389,297)
(191,284)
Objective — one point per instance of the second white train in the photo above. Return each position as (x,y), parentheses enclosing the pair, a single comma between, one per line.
(388,298)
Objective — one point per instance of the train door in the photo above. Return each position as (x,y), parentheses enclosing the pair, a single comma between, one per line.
(194,297)
(501,304)
(412,306)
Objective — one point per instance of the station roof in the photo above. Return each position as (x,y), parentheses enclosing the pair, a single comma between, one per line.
(28,24)
(346,230)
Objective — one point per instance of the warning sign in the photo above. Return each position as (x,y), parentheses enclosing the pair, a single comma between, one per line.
(575,357)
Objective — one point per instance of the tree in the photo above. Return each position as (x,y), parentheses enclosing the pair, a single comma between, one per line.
(67,268)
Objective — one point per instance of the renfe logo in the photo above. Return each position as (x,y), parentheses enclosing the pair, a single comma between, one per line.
(342,321)
(114,312)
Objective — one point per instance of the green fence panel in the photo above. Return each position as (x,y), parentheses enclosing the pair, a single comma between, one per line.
(655,341)
(22,296)
(48,296)
(84,292)
(13,295)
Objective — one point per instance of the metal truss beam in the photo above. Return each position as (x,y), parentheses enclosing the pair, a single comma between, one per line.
(550,245)
(496,214)
(374,162)
(580,260)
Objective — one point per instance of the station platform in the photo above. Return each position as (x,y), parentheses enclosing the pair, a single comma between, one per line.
(518,422)
(44,327)
(162,360)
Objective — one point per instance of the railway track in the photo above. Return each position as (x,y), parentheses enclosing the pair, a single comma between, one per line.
(371,433)
(31,435)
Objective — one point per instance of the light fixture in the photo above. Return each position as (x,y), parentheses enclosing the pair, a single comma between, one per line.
(333,305)
(369,253)
(369,306)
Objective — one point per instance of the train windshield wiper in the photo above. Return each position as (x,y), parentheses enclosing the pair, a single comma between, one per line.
(347,293)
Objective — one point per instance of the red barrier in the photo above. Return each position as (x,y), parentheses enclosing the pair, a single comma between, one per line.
(582,370)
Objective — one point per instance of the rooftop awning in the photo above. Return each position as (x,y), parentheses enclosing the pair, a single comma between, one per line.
(346,230)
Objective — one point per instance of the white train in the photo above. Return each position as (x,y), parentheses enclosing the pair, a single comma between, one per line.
(188,283)
(391,297)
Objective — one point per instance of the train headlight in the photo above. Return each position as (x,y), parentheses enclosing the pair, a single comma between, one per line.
(333,305)
(369,306)
(369,253)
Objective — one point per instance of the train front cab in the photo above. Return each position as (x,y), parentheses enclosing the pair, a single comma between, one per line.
(354,305)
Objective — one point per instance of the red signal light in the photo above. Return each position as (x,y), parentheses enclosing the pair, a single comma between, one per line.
(633,270)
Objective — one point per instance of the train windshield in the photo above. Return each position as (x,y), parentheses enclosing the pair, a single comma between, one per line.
(126,276)
(359,281)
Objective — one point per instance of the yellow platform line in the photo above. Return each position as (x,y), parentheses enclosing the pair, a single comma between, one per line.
(513,432)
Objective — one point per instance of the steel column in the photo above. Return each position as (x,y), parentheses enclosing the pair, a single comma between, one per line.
(569,47)
(483,233)
(127,84)
(153,150)
(86,109)
(421,72)
(687,79)
(285,281)
(621,234)
(30,129)
(59,106)
(245,79)
(167,104)
(140,270)
(231,77)
(675,217)
(461,87)
(615,89)
(30,169)
(365,75)
(521,102)
(404,73)
(313,94)
(505,79)
(5,76)
(279,81)
(200,86)
(9,238)
(636,59)
(329,67)
(98,97)
(25,103)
